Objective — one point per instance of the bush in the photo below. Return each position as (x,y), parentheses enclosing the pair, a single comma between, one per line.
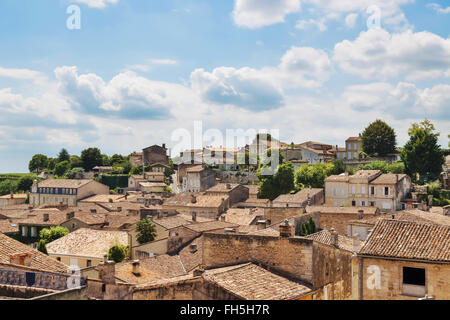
(118,253)
(146,231)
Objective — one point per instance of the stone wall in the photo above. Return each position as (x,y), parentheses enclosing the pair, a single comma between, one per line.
(20,292)
(390,285)
(239,177)
(276,215)
(97,290)
(338,221)
(291,256)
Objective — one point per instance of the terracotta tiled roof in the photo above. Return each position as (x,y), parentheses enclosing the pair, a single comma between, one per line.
(223,187)
(151,269)
(199,168)
(343,210)
(366,174)
(104,198)
(338,178)
(39,260)
(96,219)
(63,183)
(413,215)
(55,218)
(192,255)
(325,237)
(252,189)
(243,217)
(15,196)
(87,243)
(300,197)
(7,226)
(250,282)
(210,226)
(172,222)
(408,240)
(267,232)
(206,201)
(388,178)
(354,139)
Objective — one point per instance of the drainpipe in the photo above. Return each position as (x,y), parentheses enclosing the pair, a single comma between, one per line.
(360,277)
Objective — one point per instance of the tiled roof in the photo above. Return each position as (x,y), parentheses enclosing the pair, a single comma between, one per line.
(195,169)
(115,220)
(39,260)
(338,178)
(63,183)
(252,189)
(210,226)
(192,257)
(172,222)
(413,215)
(267,232)
(55,218)
(104,198)
(408,240)
(365,174)
(151,269)
(87,243)
(343,210)
(223,187)
(299,197)
(251,282)
(7,226)
(243,217)
(207,201)
(354,139)
(388,178)
(325,237)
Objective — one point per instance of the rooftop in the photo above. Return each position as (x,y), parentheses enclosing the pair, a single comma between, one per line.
(104,198)
(63,183)
(343,210)
(251,282)
(39,260)
(195,169)
(15,196)
(325,237)
(7,226)
(223,187)
(87,243)
(242,217)
(389,178)
(210,226)
(300,197)
(408,240)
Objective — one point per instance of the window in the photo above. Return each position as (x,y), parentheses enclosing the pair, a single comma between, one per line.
(24,231)
(334,191)
(349,156)
(372,190)
(33,232)
(363,203)
(89,263)
(355,155)
(353,189)
(343,192)
(59,259)
(338,155)
(372,204)
(363,189)
(414,281)
(386,191)
(353,203)
(355,147)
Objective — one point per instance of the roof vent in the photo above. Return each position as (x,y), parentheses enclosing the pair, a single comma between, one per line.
(231,230)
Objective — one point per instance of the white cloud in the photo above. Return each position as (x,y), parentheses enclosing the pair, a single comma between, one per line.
(163,61)
(260,13)
(350,20)
(98,4)
(438,8)
(377,54)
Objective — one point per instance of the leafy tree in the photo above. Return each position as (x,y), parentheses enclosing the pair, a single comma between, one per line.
(72,173)
(8,186)
(307,228)
(313,175)
(136,171)
(374,165)
(91,158)
(61,168)
(76,162)
(422,155)
(378,139)
(52,163)
(126,165)
(396,167)
(63,156)
(146,231)
(42,246)
(338,167)
(38,163)
(282,182)
(118,253)
(53,233)
(25,182)
(106,161)
(116,159)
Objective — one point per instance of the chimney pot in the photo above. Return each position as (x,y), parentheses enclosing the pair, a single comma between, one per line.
(285,229)
(334,237)
(137,268)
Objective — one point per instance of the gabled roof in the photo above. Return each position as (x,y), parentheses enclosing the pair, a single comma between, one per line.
(408,240)
(39,260)
(325,237)
(251,282)
(64,183)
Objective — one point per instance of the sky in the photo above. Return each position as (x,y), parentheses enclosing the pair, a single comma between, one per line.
(122,75)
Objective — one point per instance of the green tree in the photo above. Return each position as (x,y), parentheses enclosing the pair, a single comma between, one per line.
(42,246)
(91,158)
(378,139)
(396,167)
(53,233)
(146,231)
(52,163)
(61,168)
(25,182)
(282,182)
(106,161)
(118,253)
(38,163)
(116,159)
(75,162)
(374,165)
(422,155)
(8,186)
(307,228)
(313,175)
(338,167)
(63,156)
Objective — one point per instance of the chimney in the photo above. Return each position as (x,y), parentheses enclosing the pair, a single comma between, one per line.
(164,146)
(70,215)
(107,272)
(193,248)
(46,217)
(360,214)
(199,272)
(261,224)
(126,196)
(228,186)
(110,200)
(393,217)
(21,259)
(285,229)
(12,195)
(137,268)
(106,219)
(356,242)
(193,199)
(334,238)
(194,216)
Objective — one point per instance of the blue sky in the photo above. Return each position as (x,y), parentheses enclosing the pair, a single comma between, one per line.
(138,70)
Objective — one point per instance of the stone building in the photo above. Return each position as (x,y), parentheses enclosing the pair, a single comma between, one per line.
(303,198)
(403,260)
(155,154)
(65,191)
(12,199)
(234,192)
(316,152)
(197,178)
(368,188)
(196,204)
